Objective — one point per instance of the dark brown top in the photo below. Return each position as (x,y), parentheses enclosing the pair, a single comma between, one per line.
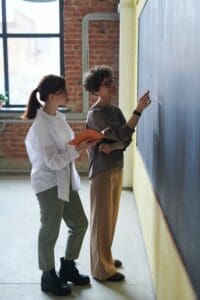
(111,120)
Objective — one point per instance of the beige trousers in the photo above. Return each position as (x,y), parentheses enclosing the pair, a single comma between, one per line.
(105,191)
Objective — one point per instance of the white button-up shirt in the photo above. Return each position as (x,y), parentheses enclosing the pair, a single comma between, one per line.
(50,154)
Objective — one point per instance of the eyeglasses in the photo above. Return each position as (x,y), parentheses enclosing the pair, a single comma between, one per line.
(108,83)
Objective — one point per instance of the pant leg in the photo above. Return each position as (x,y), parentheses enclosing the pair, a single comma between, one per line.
(51,211)
(105,197)
(116,194)
(77,223)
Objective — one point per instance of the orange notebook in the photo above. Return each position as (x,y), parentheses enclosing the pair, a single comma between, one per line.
(89,135)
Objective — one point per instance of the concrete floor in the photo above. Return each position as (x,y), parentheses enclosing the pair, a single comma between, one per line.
(19,223)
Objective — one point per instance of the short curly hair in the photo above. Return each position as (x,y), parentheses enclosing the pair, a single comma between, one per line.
(94,77)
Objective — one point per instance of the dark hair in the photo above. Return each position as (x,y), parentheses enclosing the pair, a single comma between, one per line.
(49,84)
(94,77)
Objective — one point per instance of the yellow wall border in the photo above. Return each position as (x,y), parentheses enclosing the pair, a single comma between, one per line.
(170,279)
(126,69)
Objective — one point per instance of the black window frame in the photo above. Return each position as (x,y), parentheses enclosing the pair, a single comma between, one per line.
(5,35)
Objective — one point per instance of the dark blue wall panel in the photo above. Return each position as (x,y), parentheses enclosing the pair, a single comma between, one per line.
(168,138)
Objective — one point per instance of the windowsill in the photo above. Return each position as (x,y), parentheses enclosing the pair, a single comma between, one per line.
(15,113)
(11,113)
(21,109)
(11,109)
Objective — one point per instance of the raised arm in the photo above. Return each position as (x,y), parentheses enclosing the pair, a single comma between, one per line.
(142,104)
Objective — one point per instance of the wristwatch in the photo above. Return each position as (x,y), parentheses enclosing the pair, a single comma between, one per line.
(137,113)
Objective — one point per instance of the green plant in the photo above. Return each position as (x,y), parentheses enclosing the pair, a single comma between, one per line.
(3,98)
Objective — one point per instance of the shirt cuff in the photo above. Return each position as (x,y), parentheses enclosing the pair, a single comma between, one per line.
(73,154)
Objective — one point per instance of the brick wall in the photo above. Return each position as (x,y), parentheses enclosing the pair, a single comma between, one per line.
(103,42)
(103,49)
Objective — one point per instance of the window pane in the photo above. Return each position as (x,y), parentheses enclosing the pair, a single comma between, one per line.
(1,69)
(32,17)
(29,60)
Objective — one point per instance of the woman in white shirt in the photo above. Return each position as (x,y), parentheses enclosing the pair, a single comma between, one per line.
(55,182)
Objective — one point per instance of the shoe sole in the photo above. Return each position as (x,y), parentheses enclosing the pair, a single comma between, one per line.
(64,279)
(75,283)
(45,289)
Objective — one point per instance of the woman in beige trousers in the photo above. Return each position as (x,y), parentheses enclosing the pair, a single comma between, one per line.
(106,166)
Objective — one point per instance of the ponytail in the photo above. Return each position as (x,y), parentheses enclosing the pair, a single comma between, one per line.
(49,84)
(33,105)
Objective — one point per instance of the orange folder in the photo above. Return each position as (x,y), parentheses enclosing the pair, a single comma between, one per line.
(89,135)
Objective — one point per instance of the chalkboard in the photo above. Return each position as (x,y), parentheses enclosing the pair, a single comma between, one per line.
(168,137)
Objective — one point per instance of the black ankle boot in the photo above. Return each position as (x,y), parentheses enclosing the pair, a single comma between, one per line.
(50,282)
(69,272)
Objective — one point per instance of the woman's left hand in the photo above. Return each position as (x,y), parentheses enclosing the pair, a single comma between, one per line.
(84,146)
(106,148)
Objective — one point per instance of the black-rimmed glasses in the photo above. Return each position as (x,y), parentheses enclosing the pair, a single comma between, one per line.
(108,83)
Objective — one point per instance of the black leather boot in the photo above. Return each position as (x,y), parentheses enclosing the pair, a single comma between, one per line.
(69,272)
(50,282)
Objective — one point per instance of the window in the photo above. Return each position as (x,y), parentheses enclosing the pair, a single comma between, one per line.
(31,45)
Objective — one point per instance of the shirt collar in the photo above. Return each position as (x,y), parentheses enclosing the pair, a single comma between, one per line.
(48,117)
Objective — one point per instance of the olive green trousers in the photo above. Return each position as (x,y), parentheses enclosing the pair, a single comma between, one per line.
(52,211)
